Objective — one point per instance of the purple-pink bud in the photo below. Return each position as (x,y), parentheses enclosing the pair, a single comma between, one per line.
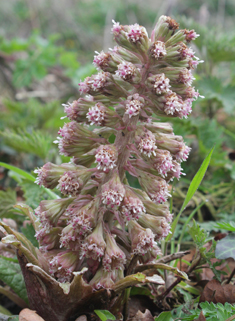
(114,257)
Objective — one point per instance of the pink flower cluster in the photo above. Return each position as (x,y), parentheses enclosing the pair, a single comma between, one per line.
(101,221)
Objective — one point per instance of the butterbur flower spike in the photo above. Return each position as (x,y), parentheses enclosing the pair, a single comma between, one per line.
(101,222)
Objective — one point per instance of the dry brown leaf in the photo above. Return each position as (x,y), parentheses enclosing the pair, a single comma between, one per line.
(201,317)
(81,318)
(217,293)
(29,315)
(146,316)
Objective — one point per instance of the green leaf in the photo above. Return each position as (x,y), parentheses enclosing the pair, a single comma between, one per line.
(225,248)
(7,201)
(164,316)
(33,193)
(213,88)
(105,315)
(29,177)
(29,232)
(4,311)
(10,273)
(209,133)
(19,171)
(230,226)
(14,318)
(198,235)
(191,191)
(35,142)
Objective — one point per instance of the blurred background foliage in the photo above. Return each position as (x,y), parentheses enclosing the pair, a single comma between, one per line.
(47,46)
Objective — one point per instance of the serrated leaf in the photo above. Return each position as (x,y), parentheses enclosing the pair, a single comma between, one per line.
(221,48)
(105,315)
(29,232)
(209,133)
(7,201)
(213,88)
(36,142)
(10,273)
(229,226)
(191,191)
(225,248)
(33,193)
(164,316)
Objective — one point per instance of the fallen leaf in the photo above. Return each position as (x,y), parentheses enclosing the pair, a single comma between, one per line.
(217,293)
(29,315)
(81,318)
(201,317)
(146,316)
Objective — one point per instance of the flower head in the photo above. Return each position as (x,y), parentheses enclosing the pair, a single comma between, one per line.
(128,72)
(106,157)
(134,104)
(157,224)
(141,239)
(103,221)
(49,174)
(132,207)
(158,49)
(94,244)
(113,192)
(114,257)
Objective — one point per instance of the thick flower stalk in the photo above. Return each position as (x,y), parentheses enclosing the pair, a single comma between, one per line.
(101,222)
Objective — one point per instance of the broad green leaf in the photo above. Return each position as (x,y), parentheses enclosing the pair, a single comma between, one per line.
(191,191)
(10,273)
(164,316)
(213,88)
(19,171)
(7,201)
(225,248)
(105,315)
(29,232)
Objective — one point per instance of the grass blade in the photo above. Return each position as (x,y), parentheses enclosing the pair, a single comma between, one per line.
(19,171)
(191,191)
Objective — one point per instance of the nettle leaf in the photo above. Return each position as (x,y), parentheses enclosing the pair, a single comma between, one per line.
(33,193)
(7,201)
(29,232)
(36,142)
(10,273)
(105,315)
(221,48)
(213,88)
(225,248)
(209,133)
